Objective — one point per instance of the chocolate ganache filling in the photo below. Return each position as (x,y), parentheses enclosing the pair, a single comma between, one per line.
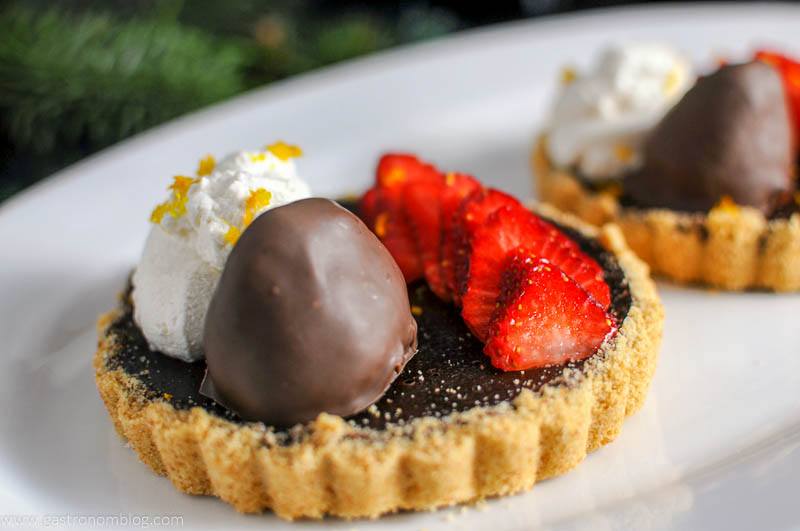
(449,373)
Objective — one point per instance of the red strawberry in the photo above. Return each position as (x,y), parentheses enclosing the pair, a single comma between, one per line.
(472,214)
(369,207)
(566,254)
(546,318)
(382,211)
(422,203)
(482,204)
(457,187)
(504,231)
(790,72)
(585,272)
(383,208)
(396,169)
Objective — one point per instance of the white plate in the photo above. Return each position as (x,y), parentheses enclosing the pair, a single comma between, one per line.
(716,445)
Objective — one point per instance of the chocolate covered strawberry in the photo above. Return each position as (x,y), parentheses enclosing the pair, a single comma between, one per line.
(790,73)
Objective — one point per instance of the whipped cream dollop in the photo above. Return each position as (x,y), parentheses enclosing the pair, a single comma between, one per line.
(193,233)
(601,117)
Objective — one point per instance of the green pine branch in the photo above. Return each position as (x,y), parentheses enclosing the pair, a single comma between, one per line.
(71,78)
(91,79)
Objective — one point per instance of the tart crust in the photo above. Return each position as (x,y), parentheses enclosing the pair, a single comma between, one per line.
(733,248)
(330,467)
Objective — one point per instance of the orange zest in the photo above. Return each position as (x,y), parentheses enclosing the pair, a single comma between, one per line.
(284,151)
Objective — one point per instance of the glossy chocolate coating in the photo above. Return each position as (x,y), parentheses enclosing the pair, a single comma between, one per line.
(730,135)
(311,315)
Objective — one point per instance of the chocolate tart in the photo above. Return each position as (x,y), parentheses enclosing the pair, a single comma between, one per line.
(730,247)
(450,429)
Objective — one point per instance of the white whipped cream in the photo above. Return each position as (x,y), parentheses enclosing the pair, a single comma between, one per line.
(601,117)
(173,288)
(193,233)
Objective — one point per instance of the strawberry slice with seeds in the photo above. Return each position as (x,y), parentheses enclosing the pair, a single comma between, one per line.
(586,273)
(457,187)
(473,212)
(506,230)
(422,203)
(581,268)
(546,318)
(382,211)
(399,169)
(479,206)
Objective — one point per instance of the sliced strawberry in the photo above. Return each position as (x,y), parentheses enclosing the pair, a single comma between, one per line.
(505,230)
(472,214)
(483,204)
(546,318)
(383,212)
(397,169)
(581,268)
(422,203)
(457,187)
(790,72)
(383,209)
(586,273)
(508,229)
(369,207)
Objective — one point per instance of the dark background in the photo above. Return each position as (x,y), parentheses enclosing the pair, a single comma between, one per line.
(79,75)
